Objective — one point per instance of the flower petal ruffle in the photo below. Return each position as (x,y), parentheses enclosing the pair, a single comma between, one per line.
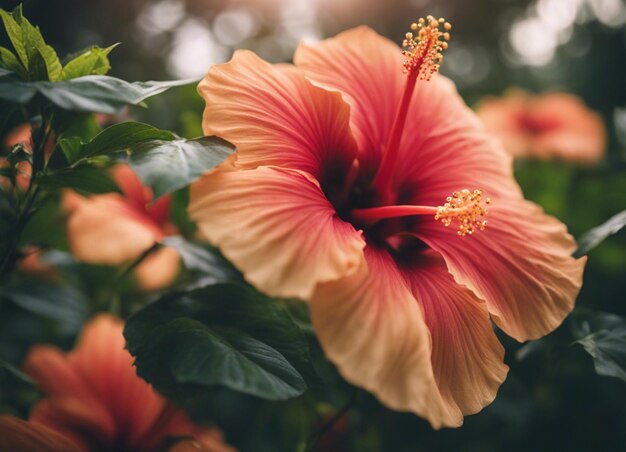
(373,329)
(367,69)
(277,216)
(274,116)
(521,265)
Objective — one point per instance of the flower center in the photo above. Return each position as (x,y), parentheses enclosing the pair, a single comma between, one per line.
(464,208)
(423,56)
(365,202)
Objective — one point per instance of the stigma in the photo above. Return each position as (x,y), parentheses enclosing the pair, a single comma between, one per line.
(424,46)
(464,207)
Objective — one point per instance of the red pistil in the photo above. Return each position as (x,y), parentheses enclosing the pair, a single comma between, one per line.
(423,58)
(374,214)
(464,207)
(384,176)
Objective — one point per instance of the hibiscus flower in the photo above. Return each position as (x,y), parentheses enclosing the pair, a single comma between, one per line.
(116,228)
(364,191)
(94,401)
(545,126)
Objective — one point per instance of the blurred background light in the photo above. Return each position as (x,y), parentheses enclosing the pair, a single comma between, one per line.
(194,50)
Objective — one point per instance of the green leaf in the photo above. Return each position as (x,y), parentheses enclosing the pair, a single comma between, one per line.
(92,93)
(167,166)
(605,341)
(50,300)
(83,178)
(93,61)
(16,91)
(597,235)
(206,260)
(225,335)
(101,93)
(38,58)
(71,148)
(37,69)
(14,31)
(51,61)
(10,63)
(122,136)
(70,124)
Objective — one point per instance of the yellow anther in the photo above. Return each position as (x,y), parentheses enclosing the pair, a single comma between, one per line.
(466,209)
(422,50)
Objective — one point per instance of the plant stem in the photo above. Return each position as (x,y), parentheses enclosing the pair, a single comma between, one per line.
(113,302)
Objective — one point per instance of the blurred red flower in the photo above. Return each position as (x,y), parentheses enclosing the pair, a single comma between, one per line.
(545,126)
(95,401)
(115,228)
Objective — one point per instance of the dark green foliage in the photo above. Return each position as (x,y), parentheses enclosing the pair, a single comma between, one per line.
(223,335)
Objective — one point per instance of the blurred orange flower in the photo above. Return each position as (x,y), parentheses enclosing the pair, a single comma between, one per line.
(343,168)
(19,135)
(94,400)
(17,435)
(33,265)
(22,134)
(545,126)
(115,228)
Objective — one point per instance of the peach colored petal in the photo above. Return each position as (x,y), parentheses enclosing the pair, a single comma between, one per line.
(71,405)
(94,396)
(106,229)
(17,435)
(101,358)
(49,367)
(158,270)
(367,69)
(277,227)
(467,357)
(521,265)
(84,421)
(276,117)
(372,328)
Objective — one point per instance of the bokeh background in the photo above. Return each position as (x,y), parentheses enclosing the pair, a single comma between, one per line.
(552,400)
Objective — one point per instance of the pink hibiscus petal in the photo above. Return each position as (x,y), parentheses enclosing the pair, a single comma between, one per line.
(521,265)
(366,68)
(467,357)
